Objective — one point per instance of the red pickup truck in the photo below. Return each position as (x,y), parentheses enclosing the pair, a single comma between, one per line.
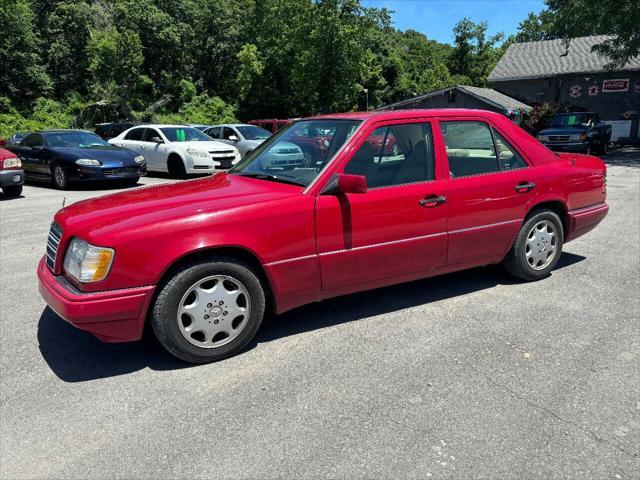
(202,261)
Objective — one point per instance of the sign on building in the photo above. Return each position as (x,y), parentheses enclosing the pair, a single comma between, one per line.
(616,85)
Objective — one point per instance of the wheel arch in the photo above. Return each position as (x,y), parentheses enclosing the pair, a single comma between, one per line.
(558,206)
(235,252)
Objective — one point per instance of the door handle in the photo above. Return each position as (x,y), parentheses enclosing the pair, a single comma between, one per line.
(524,187)
(432,201)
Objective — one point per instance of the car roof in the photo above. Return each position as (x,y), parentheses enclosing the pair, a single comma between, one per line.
(63,130)
(404,113)
(234,125)
(163,125)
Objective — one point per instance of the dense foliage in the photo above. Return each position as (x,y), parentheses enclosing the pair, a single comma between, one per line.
(79,62)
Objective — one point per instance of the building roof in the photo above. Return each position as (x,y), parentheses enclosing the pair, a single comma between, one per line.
(487,95)
(549,58)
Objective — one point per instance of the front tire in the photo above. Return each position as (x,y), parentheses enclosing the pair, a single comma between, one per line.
(176,169)
(60,178)
(209,310)
(537,248)
(12,190)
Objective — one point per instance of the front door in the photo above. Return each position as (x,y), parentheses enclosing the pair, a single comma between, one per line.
(395,229)
(31,155)
(491,184)
(154,152)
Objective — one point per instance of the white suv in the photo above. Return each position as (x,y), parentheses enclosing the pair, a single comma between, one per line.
(177,149)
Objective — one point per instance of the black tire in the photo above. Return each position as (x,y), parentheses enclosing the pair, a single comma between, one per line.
(130,182)
(175,166)
(164,316)
(516,264)
(60,177)
(12,190)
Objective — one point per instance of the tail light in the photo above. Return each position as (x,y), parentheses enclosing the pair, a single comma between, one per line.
(13,163)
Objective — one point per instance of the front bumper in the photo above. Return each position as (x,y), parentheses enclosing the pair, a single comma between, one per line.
(577,147)
(112,316)
(11,177)
(98,173)
(583,220)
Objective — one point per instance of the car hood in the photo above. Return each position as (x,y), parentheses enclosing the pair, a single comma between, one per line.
(252,143)
(110,156)
(212,146)
(180,202)
(562,131)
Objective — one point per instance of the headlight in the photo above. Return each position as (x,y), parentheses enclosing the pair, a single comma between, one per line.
(87,263)
(11,163)
(197,153)
(139,159)
(583,137)
(88,162)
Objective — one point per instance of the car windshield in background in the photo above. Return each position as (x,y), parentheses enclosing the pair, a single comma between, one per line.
(298,152)
(185,134)
(251,132)
(570,120)
(75,140)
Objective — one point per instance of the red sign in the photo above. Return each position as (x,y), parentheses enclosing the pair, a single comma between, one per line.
(617,85)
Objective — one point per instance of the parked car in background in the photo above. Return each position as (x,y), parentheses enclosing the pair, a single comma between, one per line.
(15,139)
(577,132)
(272,124)
(109,130)
(228,248)
(177,149)
(65,156)
(242,136)
(11,173)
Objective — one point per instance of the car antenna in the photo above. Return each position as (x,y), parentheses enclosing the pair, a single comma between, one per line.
(64,200)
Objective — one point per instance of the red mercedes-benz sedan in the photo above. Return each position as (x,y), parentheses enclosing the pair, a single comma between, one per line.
(203,260)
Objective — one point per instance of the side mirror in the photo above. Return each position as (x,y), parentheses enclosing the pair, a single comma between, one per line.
(233,138)
(344,183)
(156,140)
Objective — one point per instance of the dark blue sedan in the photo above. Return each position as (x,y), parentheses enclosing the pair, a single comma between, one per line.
(65,156)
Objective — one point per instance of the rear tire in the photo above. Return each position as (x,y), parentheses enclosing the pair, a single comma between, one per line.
(12,190)
(176,169)
(537,247)
(208,310)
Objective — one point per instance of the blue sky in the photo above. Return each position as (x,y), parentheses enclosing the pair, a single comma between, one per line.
(436,18)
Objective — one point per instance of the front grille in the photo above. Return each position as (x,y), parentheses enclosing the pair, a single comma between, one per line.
(285,150)
(55,234)
(221,153)
(225,162)
(120,171)
(559,138)
(297,161)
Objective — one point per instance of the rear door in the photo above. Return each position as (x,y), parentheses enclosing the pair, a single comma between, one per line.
(488,192)
(132,140)
(398,227)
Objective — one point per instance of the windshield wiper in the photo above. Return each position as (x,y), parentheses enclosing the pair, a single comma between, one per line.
(268,176)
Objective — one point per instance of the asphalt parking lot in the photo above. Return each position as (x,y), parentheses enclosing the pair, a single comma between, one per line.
(470,375)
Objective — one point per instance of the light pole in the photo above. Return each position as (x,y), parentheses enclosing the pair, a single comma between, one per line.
(366,92)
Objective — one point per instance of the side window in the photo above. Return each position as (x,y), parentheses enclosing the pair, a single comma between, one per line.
(149,133)
(395,155)
(31,141)
(135,134)
(227,132)
(508,157)
(214,132)
(470,148)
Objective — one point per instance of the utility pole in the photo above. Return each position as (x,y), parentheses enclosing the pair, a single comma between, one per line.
(366,91)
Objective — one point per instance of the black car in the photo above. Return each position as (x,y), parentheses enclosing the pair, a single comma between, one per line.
(581,132)
(63,156)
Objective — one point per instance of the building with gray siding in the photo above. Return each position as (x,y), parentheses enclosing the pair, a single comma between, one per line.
(550,71)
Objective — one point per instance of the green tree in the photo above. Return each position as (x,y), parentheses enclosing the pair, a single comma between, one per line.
(22,73)
(619,18)
(474,54)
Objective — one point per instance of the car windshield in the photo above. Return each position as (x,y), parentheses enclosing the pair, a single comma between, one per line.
(184,134)
(251,132)
(571,120)
(75,140)
(298,152)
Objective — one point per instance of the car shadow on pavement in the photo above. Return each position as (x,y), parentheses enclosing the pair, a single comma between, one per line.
(77,356)
(624,157)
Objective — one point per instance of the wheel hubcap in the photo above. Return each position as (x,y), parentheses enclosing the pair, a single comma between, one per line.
(60,176)
(542,245)
(213,311)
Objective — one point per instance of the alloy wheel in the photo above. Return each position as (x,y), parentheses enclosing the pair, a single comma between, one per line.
(542,245)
